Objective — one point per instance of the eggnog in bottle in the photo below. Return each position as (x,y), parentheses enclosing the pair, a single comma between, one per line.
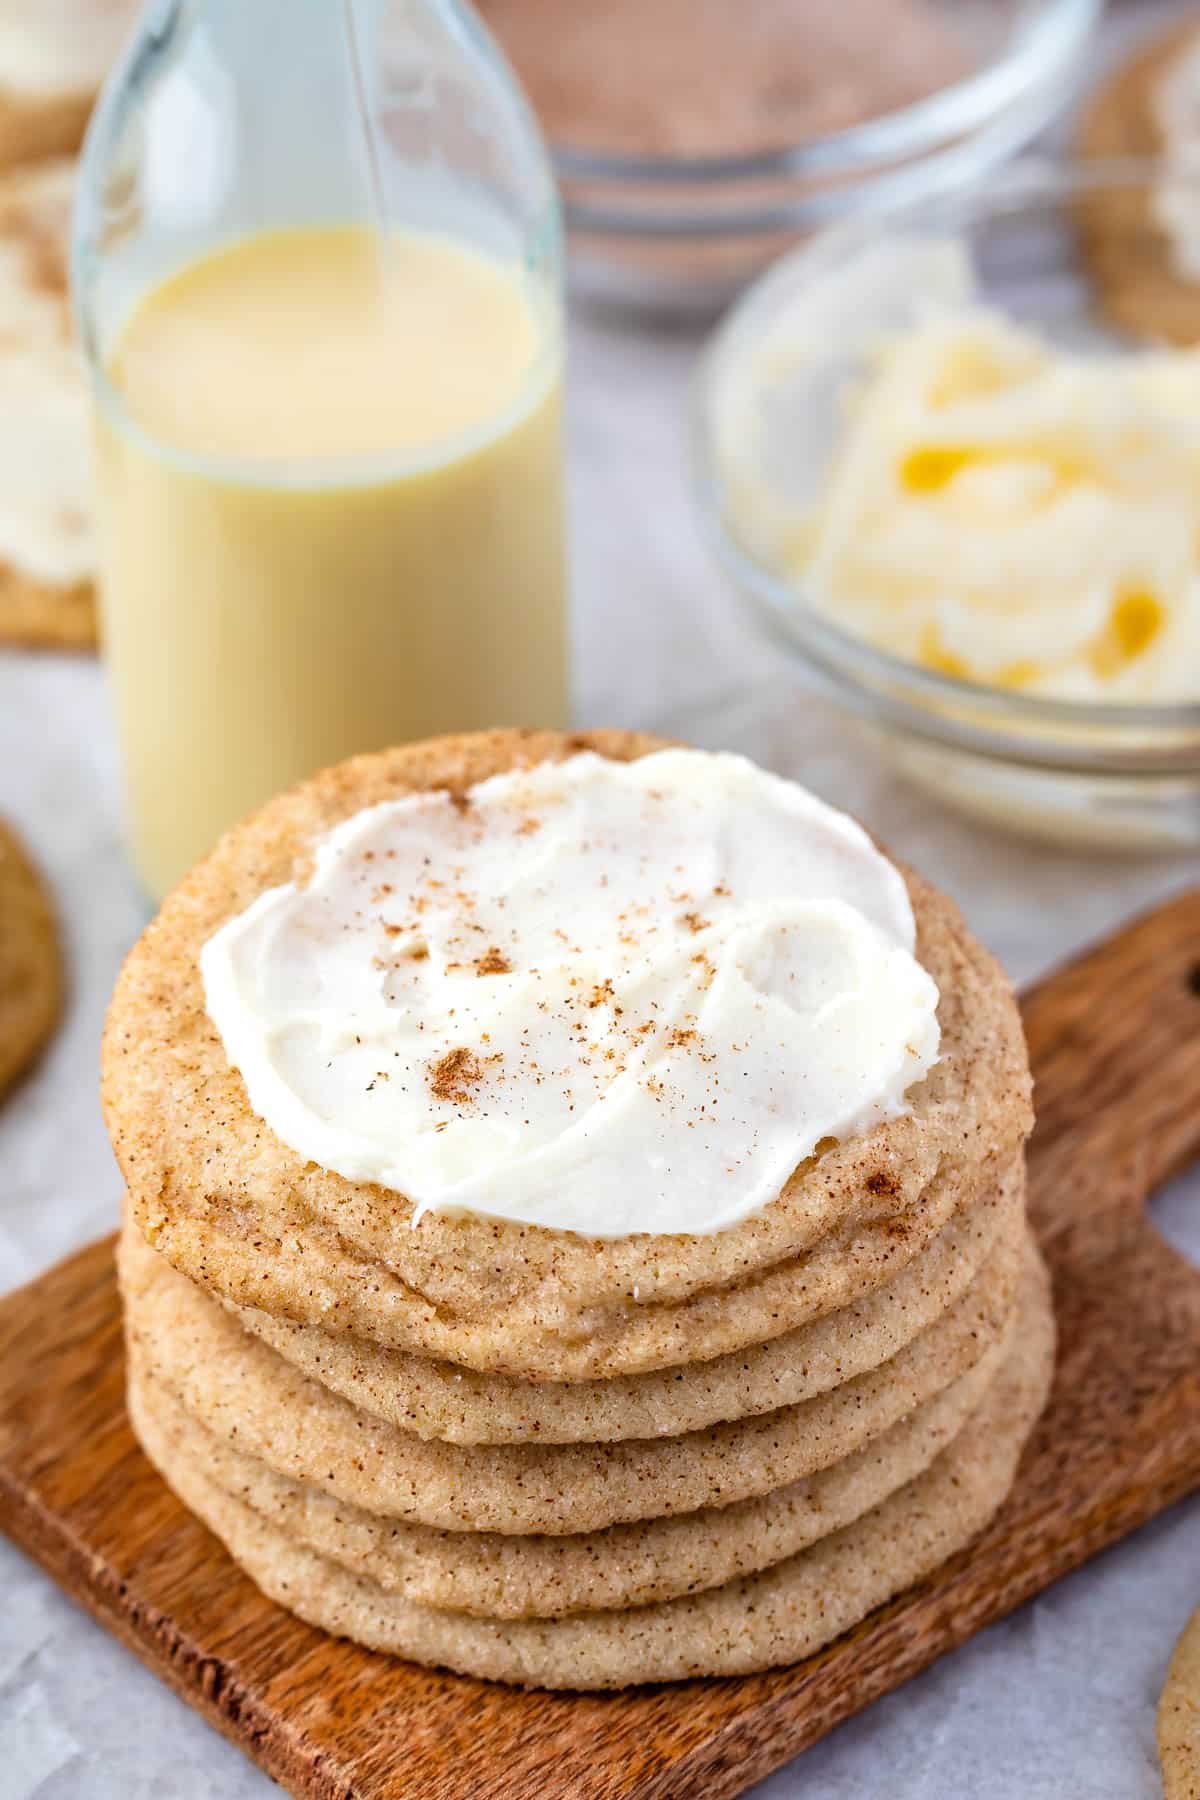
(327,368)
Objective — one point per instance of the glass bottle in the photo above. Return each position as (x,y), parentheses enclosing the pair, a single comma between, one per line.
(318,278)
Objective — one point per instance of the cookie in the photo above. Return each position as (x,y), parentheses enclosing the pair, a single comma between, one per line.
(233,1207)
(32,129)
(31,978)
(460,1406)
(1129,254)
(44,617)
(1179,1718)
(54,56)
(236,1386)
(509,1577)
(47,551)
(285,1262)
(756,1622)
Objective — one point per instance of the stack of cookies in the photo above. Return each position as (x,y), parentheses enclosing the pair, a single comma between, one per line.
(533,1453)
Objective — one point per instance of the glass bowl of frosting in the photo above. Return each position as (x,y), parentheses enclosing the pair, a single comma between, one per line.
(950,456)
(695,140)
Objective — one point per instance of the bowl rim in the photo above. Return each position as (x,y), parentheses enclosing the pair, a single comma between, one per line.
(1045,39)
(973,715)
(943,166)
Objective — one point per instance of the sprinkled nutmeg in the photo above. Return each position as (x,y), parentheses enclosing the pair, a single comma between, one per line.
(453,1076)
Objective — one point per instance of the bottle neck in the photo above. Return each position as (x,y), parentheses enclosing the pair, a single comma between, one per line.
(229,119)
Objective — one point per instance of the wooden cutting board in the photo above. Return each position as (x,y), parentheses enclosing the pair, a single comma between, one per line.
(1115,1041)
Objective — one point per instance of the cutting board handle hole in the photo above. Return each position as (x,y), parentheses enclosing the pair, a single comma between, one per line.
(1193,980)
(1172,1213)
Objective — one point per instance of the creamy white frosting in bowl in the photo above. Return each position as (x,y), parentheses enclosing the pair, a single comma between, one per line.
(600,997)
(1022,638)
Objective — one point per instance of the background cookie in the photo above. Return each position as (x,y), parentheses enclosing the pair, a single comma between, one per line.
(54,56)
(47,555)
(41,616)
(30,965)
(1129,253)
(1179,1718)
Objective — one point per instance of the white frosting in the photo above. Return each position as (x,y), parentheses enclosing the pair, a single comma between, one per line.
(53,47)
(46,521)
(1002,509)
(599,997)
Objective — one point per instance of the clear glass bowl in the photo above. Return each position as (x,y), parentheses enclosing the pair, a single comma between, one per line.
(684,233)
(1100,774)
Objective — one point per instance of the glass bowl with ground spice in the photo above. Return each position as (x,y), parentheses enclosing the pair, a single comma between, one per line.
(951,458)
(695,140)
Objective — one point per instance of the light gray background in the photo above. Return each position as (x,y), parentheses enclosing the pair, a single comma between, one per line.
(1057,1701)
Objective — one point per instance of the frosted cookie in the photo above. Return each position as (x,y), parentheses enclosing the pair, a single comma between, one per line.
(31,980)
(1143,247)
(47,548)
(778,1616)
(440,1400)
(496,1576)
(261,1224)
(236,1386)
(54,56)
(1179,1718)
(605,1082)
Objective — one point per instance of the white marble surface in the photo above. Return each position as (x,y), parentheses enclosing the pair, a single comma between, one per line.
(1057,1701)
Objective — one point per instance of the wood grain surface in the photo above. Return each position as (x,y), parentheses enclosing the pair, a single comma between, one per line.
(1115,1040)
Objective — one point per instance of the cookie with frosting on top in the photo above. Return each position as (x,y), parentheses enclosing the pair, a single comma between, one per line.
(54,57)
(47,544)
(263,1223)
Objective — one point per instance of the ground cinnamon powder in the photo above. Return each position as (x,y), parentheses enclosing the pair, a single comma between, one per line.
(723,77)
(453,1076)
